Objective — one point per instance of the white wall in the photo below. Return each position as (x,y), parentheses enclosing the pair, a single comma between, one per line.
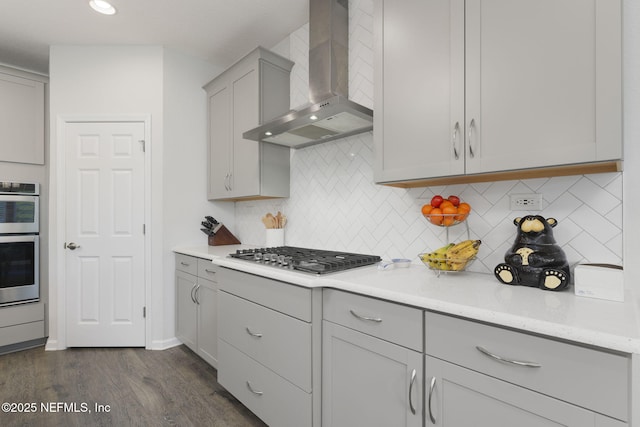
(184,170)
(100,81)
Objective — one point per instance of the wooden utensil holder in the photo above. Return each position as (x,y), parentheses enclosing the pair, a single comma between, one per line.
(223,237)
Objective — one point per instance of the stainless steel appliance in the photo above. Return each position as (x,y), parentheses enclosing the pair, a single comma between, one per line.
(307,260)
(19,208)
(19,243)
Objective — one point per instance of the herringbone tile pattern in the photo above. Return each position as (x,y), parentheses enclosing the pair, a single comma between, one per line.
(335,204)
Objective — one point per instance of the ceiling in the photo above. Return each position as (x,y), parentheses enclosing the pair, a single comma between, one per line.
(219,31)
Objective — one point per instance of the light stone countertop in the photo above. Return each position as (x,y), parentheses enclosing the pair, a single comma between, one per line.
(607,324)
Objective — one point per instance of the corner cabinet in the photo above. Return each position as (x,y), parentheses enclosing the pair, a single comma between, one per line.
(22,116)
(252,91)
(197,306)
(480,86)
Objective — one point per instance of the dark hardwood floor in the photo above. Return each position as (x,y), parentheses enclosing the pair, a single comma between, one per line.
(172,387)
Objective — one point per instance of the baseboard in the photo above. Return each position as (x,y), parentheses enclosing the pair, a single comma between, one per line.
(53,345)
(164,344)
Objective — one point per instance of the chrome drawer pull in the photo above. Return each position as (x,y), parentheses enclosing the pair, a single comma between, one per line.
(432,386)
(209,271)
(258,393)
(413,380)
(253,334)
(370,319)
(502,359)
(193,298)
(186,264)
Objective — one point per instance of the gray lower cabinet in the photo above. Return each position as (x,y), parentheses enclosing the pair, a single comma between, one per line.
(482,375)
(367,378)
(269,338)
(196,306)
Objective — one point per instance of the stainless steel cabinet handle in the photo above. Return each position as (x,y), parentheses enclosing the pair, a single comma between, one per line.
(413,380)
(432,386)
(370,319)
(195,295)
(502,359)
(186,264)
(229,180)
(456,132)
(209,271)
(72,246)
(226,180)
(256,392)
(193,288)
(253,334)
(472,126)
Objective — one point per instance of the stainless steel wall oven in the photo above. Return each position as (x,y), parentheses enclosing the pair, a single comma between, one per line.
(19,243)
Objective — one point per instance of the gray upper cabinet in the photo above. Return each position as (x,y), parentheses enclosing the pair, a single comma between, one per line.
(22,116)
(254,90)
(471,87)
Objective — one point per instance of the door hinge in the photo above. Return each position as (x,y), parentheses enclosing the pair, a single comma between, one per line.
(144,312)
(144,228)
(143,142)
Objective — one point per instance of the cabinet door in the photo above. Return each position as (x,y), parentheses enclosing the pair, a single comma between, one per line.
(458,397)
(368,382)
(186,313)
(207,300)
(245,178)
(219,141)
(419,120)
(543,81)
(21,119)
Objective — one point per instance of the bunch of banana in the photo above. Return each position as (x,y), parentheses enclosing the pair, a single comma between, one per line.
(452,257)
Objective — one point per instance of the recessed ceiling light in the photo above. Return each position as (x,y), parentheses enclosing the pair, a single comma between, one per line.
(103,7)
(314,117)
(267,133)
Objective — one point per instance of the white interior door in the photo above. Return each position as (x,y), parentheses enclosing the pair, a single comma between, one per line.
(104,187)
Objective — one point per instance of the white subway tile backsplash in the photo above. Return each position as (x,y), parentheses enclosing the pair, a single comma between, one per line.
(334,203)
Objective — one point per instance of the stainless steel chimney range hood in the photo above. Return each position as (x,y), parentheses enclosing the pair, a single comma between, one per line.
(330,114)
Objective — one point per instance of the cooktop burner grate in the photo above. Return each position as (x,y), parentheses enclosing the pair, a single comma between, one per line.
(308,260)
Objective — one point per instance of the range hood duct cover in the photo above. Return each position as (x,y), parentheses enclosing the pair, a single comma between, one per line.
(335,116)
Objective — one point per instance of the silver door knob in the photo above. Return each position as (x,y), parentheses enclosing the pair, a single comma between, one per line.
(72,246)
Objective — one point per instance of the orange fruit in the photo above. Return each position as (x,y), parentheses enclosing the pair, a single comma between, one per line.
(436,216)
(449,215)
(445,204)
(426,209)
(463,211)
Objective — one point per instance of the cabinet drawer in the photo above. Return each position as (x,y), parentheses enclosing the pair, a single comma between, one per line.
(386,320)
(187,263)
(587,377)
(207,270)
(283,297)
(272,398)
(280,342)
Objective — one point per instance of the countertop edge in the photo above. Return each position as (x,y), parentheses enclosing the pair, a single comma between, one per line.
(344,281)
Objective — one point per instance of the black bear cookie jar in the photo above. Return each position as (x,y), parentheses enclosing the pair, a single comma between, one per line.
(535,259)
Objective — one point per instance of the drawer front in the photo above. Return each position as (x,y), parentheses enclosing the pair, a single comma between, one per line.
(386,320)
(207,270)
(283,297)
(594,379)
(280,342)
(187,263)
(272,398)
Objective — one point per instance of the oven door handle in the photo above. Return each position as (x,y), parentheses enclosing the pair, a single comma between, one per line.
(72,246)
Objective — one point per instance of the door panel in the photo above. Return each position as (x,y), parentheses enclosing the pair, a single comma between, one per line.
(104,218)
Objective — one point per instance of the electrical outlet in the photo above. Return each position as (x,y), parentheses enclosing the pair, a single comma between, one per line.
(526,202)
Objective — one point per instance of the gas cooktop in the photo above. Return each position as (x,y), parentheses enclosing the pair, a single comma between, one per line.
(303,259)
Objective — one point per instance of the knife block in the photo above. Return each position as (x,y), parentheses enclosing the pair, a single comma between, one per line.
(223,237)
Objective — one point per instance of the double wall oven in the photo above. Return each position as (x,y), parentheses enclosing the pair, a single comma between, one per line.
(19,243)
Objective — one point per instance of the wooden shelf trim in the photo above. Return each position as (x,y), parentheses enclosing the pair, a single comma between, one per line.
(547,172)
